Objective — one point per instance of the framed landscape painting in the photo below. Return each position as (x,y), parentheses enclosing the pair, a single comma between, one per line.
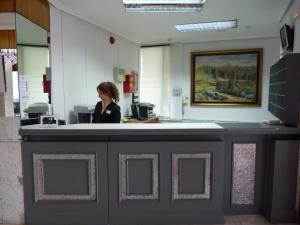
(229,77)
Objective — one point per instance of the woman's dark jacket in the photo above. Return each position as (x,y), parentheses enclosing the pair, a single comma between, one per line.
(111,114)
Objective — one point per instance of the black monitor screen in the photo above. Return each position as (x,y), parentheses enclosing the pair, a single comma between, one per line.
(287,37)
(283,37)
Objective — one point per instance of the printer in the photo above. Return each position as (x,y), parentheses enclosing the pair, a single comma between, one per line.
(84,113)
(142,110)
(37,109)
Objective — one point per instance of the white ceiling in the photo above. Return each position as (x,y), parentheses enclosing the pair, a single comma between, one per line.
(256,18)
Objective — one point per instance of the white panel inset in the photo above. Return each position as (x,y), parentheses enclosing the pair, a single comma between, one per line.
(176,176)
(123,176)
(38,175)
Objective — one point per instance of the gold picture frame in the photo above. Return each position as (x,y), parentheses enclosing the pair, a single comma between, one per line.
(227,77)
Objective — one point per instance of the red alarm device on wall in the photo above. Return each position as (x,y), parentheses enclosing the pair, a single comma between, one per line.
(112,40)
(129,84)
(46,85)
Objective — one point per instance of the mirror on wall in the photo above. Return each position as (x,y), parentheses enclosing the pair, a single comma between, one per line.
(34,72)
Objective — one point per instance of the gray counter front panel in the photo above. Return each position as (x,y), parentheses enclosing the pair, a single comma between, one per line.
(63,169)
(184,184)
(138,176)
(146,180)
(69,183)
(162,174)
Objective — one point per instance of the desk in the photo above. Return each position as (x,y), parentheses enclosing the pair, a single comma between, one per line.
(158,173)
(132,120)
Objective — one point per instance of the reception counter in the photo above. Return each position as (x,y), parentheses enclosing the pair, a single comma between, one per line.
(171,173)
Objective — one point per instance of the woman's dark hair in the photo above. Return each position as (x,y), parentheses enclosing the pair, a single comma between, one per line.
(109,89)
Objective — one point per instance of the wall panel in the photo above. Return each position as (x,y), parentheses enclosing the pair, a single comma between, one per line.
(36,11)
(7,6)
(12,39)
(74,63)
(4,39)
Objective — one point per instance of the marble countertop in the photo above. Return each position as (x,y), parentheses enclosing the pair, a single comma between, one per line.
(125,126)
(129,129)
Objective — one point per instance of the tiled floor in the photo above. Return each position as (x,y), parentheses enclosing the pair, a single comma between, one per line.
(243,220)
(249,220)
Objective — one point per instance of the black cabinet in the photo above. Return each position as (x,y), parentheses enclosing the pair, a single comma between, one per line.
(281,183)
(284,91)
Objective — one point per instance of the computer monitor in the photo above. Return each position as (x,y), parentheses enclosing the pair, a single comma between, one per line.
(286,37)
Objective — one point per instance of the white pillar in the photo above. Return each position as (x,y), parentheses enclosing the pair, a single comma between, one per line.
(297,34)
(6,98)
(296,15)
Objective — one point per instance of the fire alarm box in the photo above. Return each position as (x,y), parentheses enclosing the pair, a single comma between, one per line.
(46,85)
(129,84)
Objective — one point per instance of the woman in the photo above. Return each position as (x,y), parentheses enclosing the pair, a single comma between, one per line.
(107,111)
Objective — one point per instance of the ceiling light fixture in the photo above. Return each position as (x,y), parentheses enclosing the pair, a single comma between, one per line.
(163,5)
(164,1)
(222,25)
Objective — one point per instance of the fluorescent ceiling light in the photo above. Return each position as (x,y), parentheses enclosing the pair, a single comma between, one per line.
(162,8)
(163,5)
(207,26)
(164,1)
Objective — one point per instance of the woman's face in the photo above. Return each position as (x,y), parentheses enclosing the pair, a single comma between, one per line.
(103,96)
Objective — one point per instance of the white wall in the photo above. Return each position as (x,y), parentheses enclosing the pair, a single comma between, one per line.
(81,58)
(32,63)
(181,78)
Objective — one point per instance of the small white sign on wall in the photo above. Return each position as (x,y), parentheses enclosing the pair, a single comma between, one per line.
(119,74)
(23,86)
(2,75)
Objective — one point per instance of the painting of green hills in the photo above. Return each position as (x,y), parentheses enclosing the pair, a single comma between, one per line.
(226,77)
